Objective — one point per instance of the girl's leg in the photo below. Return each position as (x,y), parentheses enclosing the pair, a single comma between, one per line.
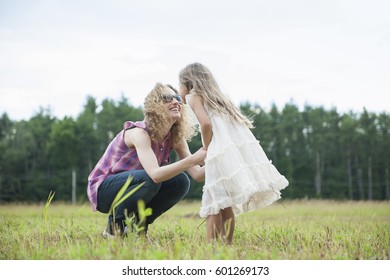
(214,227)
(221,225)
(228,221)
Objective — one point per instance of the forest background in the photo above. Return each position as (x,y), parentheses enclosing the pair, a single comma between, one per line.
(323,153)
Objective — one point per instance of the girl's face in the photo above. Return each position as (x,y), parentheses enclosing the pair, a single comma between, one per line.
(183,91)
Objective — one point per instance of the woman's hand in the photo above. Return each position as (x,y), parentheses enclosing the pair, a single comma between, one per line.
(200,156)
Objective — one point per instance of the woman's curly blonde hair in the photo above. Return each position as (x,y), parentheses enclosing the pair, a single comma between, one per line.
(156,117)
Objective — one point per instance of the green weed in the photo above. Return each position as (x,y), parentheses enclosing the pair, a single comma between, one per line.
(46,208)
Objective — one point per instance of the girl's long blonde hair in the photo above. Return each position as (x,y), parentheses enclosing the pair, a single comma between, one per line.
(197,77)
(156,117)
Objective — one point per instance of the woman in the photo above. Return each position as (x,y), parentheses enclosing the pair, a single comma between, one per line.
(141,150)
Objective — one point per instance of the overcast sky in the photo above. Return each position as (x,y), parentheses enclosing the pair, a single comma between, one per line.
(321,53)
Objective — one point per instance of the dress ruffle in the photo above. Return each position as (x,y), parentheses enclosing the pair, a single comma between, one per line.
(238,172)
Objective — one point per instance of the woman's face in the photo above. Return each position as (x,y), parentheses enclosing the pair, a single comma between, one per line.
(172,104)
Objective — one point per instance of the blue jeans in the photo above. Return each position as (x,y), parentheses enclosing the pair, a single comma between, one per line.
(160,197)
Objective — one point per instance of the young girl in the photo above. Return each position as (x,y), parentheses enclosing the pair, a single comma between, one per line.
(239,176)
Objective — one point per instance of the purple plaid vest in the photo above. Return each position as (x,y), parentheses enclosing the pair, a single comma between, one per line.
(119,158)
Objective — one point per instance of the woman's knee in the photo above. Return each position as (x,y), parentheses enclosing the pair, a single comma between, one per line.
(140,177)
(151,187)
(183,183)
(148,187)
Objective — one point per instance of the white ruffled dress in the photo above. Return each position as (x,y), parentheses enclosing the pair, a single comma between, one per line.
(238,172)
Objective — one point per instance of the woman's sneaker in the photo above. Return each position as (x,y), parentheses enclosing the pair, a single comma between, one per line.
(108,233)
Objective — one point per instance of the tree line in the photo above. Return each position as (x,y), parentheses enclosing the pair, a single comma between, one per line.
(323,153)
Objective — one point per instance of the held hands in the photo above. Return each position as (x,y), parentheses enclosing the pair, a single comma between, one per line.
(200,156)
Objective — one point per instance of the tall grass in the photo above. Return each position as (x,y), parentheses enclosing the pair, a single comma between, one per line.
(299,230)
(120,197)
(46,208)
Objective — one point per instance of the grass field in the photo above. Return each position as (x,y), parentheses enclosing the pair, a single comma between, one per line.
(298,230)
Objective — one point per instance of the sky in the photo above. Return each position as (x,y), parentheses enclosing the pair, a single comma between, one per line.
(334,54)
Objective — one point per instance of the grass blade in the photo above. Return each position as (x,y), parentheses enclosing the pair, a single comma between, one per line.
(46,208)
